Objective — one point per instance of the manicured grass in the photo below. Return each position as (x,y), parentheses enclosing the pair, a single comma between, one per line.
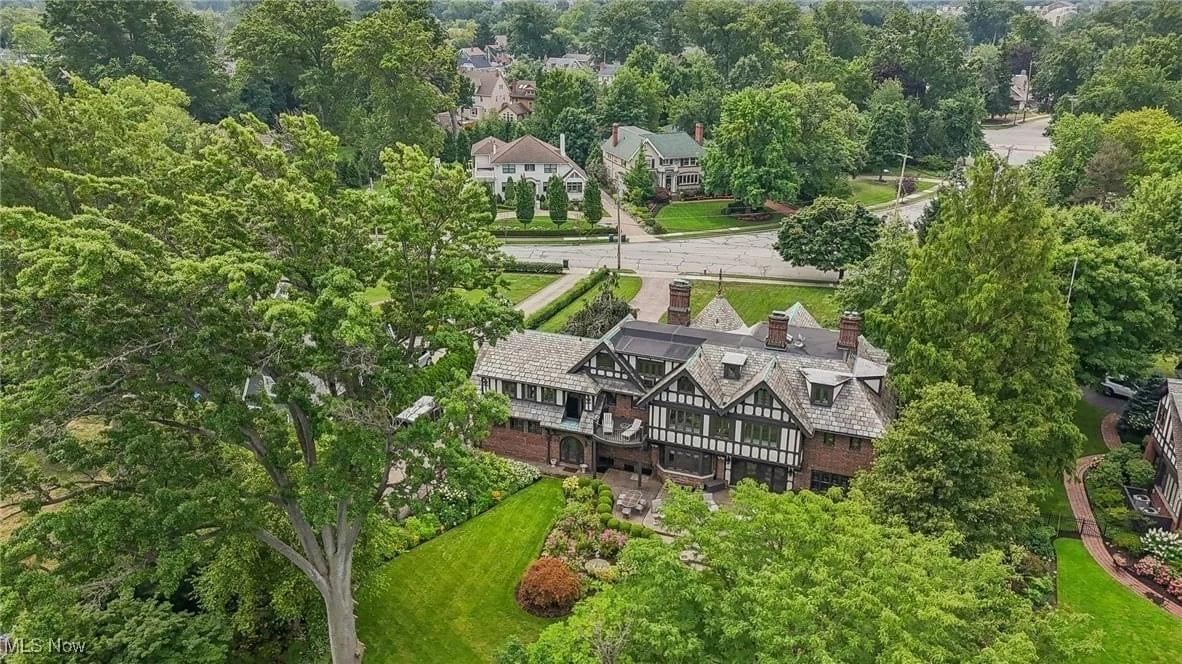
(873,192)
(753,302)
(685,216)
(1132,630)
(626,289)
(451,599)
(1053,504)
(516,287)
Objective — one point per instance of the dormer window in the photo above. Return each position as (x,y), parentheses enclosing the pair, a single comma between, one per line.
(821,395)
(763,397)
(604,361)
(685,385)
(731,371)
(732,365)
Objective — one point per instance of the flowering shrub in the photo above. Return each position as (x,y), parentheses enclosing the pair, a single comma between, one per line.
(610,543)
(1161,574)
(549,588)
(1163,545)
(570,485)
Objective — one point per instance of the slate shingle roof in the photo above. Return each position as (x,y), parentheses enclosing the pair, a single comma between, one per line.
(670,145)
(718,315)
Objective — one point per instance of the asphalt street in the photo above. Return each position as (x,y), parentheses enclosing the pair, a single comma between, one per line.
(750,253)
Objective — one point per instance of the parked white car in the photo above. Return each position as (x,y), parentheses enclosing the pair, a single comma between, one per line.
(1117,386)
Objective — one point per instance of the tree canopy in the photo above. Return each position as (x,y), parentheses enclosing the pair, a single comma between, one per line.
(829,234)
(767,575)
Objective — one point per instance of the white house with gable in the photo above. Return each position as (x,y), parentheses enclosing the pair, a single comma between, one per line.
(526,159)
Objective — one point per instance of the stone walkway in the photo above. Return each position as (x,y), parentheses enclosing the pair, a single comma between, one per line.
(628,226)
(1078,497)
(552,290)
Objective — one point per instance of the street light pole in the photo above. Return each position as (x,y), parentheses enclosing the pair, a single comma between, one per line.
(899,190)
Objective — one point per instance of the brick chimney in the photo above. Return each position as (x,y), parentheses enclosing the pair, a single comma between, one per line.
(615,134)
(679,302)
(848,331)
(777,330)
(699,132)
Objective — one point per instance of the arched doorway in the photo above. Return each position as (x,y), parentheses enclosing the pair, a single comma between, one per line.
(570,450)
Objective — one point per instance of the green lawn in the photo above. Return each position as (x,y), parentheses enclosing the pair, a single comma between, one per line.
(754,302)
(1053,505)
(873,192)
(451,599)
(516,287)
(1132,630)
(696,216)
(626,289)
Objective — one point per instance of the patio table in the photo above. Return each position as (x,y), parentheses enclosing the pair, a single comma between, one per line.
(630,499)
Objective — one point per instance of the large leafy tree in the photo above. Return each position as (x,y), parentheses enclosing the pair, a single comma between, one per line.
(988,20)
(529,26)
(158,40)
(873,285)
(836,139)
(622,25)
(240,265)
(962,317)
(1155,213)
(399,72)
(632,98)
(559,90)
(802,577)
(751,154)
(1119,291)
(829,234)
(285,43)
(889,126)
(944,468)
(841,28)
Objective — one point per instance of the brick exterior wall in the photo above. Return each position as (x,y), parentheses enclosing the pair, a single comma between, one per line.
(838,459)
(531,447)
(625,411)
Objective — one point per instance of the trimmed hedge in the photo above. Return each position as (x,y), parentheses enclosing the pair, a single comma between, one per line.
(528,267)
(562,301)
(556,232)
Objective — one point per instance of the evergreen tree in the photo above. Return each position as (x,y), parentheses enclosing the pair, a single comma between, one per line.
(525,201)
(874,284)
(557,200)
(983,308)
(592,202)
(492,201)
(638,181)
(510,197)
(484,34)
(1136,420)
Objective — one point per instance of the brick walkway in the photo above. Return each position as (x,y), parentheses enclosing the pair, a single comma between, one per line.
(1078,497)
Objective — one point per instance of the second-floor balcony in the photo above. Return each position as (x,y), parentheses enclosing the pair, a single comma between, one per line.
(619,431)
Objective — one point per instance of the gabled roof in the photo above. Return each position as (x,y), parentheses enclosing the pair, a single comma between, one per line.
(609,68)
(484,81)
(523,88)
(485,145)
(800,317)
(667,145)
(516,107)
(531,150)
(718,315)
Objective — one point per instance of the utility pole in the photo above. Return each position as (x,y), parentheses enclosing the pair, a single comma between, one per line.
(619,239)
(899,190)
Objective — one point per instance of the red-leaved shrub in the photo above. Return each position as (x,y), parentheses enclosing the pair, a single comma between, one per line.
(548,588)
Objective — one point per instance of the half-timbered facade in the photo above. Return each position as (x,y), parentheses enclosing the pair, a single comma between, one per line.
(1164,451)
(785,402)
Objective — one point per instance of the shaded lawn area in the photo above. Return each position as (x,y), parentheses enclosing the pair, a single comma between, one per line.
(626,289)
(1133,630)
(451,599)
(1053,505)
(753,302)
(516,287)
(872,192)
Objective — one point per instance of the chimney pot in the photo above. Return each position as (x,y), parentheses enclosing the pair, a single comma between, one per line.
(777,330)
(848,331)
(679,302)
(699,132)
(615,134)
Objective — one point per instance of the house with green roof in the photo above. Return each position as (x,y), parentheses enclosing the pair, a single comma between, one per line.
(673,157)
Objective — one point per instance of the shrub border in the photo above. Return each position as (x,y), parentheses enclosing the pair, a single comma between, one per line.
(536,319)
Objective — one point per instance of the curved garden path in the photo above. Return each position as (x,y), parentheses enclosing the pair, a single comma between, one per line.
(1078,497)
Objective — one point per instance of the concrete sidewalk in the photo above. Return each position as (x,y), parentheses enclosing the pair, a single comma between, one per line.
(543,297)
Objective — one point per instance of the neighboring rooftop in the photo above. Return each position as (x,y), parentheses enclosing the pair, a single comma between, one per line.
(483,80)
(667,144)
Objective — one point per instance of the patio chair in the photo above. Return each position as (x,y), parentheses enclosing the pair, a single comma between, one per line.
(608,424)
(632,430)
(627,511)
